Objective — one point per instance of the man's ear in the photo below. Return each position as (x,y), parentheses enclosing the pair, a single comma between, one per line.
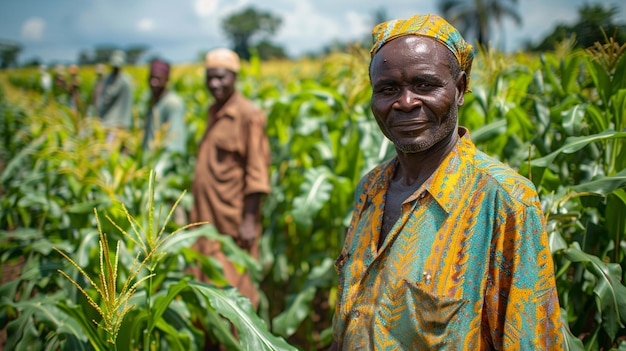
(461,84)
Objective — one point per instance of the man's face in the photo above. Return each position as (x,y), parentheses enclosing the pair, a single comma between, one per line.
(221,83)
(415,99)
(157,80)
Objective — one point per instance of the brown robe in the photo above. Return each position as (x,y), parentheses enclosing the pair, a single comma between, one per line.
(233,161)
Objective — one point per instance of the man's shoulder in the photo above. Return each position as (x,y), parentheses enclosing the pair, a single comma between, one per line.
(247,104)
(172,99)
(126,78)
(248,110)
(505,178)
(373,176)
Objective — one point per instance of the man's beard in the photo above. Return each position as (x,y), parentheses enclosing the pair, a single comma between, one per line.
(448,126)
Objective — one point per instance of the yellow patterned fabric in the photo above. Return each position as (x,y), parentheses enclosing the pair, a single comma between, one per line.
(466,267)
(431,26)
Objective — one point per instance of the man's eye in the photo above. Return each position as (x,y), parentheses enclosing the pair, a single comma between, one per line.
(387,90)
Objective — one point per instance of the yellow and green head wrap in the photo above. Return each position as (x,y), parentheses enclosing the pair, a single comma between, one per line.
(431,26)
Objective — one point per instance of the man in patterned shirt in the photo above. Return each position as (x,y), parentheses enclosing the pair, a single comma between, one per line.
(447,247)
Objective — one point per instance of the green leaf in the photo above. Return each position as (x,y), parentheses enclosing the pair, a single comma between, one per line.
(601,79)
(603,185)
(131,331)
(45,247)
(185,238)
(618,104)
(572,119)
(210,267)
(25,234)
(611,294)
(89,328)
(616,220)
(549,68)
(176,340)
(17,162)
(322,275)
(161,303)
(570,70)
(252,331)
(556,242)
(597,118)
(314,194)
(39,313)
(572,343)
(85,207)
(489,131)
(287,322)
(573,144)
(22,333)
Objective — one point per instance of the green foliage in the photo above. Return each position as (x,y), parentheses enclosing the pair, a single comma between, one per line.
(557,117)
(595,22)
(146,310)
(59,170)
(578,167)
(9,50)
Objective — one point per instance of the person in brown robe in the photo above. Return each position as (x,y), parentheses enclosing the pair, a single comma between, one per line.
(231,175)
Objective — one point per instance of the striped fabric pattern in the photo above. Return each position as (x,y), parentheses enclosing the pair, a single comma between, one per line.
(431,26)
(466,267)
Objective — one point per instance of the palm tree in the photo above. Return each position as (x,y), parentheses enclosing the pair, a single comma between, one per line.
(475,16)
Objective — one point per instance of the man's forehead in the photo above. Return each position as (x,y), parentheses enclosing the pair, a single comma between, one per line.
(218,71)
(159,75)
(413,44)
(158,71)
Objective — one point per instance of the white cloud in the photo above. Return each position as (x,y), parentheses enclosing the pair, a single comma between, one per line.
(101,21)
(359,23)
(178,30)
(33,29)
(145,25)
(306,24)
(205,8)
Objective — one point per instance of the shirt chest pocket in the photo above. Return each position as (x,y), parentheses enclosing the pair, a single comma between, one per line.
(419,315)
(226,134)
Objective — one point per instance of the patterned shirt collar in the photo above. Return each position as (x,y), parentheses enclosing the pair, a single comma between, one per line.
(446,184)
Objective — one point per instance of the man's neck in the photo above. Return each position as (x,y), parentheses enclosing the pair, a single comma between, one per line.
(220,103)
(157,97)
(419,166)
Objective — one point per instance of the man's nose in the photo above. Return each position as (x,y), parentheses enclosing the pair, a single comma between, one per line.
(213,82)
(408,100)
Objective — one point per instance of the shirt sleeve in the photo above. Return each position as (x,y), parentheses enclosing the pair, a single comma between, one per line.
(257,157)
(521,303)
(340,262)
(126,104)
(176,135)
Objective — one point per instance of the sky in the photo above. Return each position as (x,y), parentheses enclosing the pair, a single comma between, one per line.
(55,31)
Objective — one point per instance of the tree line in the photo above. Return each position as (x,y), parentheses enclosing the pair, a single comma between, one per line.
(250,31)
